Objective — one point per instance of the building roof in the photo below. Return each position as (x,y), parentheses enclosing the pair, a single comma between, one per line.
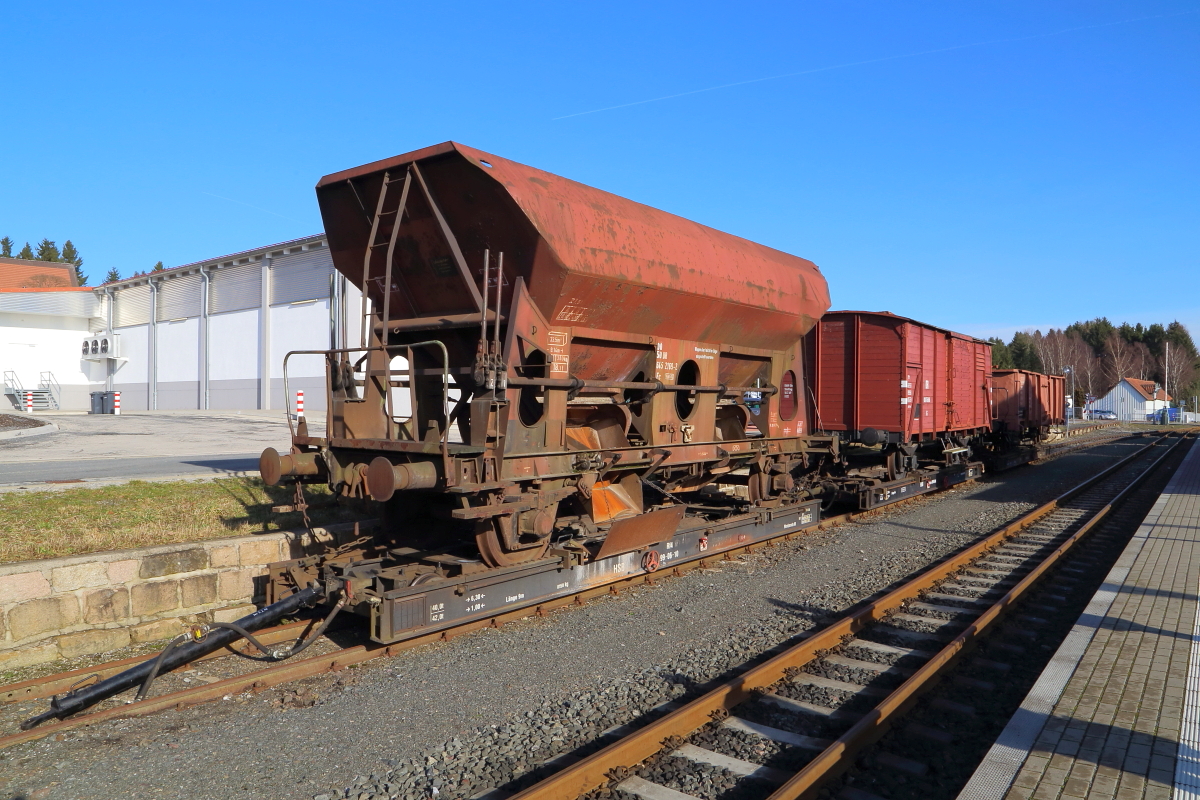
(20,273)
(1149,390)
(233,259)
(47,289)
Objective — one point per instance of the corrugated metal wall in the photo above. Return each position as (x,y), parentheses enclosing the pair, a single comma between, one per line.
(132,306)
(179,298)
(301,276)
(235,288)
(70,304)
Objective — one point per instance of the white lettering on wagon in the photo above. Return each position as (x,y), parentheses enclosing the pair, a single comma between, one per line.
(573,311)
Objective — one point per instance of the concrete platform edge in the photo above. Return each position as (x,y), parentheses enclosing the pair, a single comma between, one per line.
(995,774)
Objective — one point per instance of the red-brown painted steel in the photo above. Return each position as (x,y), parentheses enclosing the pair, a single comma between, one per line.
(877,370)
(1022,399)
(590,259)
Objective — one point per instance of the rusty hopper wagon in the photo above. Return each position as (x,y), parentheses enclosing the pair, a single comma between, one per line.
(555,388)
(548,371)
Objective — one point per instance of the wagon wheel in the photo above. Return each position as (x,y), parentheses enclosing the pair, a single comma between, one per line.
(758,485)
(492,549)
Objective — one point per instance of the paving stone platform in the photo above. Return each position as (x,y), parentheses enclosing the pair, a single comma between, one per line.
(1116,713)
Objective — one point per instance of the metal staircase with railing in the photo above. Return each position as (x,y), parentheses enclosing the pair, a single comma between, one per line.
(45,396)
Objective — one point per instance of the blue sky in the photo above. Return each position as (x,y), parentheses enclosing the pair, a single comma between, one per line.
(986,166)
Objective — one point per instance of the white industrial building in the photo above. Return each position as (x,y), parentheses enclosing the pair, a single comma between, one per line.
(209,335)
(1133,399)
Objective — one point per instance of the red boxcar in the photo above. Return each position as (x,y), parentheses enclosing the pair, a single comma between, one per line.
(1027,403)
(875,372)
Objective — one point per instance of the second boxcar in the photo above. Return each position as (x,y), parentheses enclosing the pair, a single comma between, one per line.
(879,378)
(1027,405)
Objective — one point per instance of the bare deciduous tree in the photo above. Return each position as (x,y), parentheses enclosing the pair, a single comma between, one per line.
(1143,361)
(1179,371)
(1089,373)
(1055,349)
(1118,355)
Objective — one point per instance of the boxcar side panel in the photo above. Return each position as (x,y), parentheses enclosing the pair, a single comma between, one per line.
(911,412)
(941,380)
(1023,399)
(961,369)
(879,370)
(931,391)
(970,360)
(1009,398)
(980,383)
(1057,402)
(835,376)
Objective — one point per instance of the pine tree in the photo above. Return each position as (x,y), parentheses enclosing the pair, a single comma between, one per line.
(113,276)
(1001,358)
(158,267)
(71,256)
(6,247)
(1024,353)
(1095,331)
(26,253)
(47,251)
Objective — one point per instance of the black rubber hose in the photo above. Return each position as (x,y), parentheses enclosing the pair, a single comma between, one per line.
(158,662)
(173,657)
(278,654)
(248,636)
(300,645)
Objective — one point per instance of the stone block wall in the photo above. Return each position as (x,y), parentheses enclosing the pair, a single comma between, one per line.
(82,605)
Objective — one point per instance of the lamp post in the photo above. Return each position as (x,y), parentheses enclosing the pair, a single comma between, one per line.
(1071,371)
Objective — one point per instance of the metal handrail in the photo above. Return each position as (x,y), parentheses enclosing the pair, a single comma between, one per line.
(412,382)
(46,381)
(287,392)
(12,383)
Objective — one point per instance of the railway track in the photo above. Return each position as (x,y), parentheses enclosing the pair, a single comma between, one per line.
(258,680)
(786,726)
(1077,439)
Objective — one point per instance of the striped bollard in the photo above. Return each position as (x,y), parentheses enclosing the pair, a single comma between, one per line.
(29,402)
(299,403)
(117,403)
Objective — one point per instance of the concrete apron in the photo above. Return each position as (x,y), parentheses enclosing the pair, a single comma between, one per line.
(82,605)
(44,427)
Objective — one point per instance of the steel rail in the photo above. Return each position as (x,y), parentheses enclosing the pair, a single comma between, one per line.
(842,751)
(340,659)
(49,685)
(594,771)
(274,675)
(332,662)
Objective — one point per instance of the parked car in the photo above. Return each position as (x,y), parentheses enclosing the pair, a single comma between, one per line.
(1102,415)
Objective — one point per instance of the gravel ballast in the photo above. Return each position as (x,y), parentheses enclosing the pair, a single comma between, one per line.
(491,706)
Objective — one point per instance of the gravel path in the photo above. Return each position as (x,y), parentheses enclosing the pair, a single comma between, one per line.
(492,705)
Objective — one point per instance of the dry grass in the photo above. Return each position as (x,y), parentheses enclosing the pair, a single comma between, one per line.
(140,514)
